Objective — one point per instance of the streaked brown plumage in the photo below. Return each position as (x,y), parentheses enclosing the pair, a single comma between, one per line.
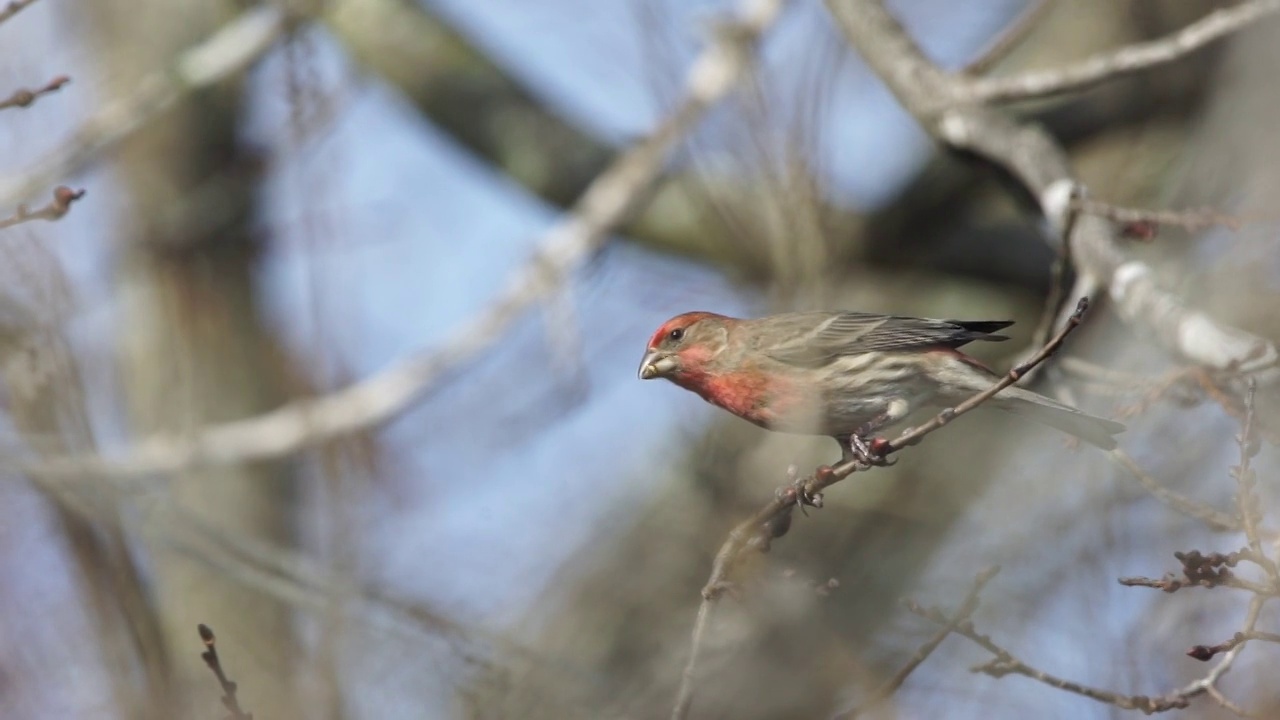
(842,374)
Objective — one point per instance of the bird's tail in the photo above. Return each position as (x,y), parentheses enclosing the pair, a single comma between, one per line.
(1096,431)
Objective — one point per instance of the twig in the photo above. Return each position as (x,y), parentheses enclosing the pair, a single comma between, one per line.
(1139,223)
(1127,60)
(948,108)
(608,201)
(1009,38)
(59,206)
(227,52)
(210,657)
(1247,503)
(13,8)
(25,97)
(1215,519)
(1206,652)
(1207,571)
(1060,274)
(1005,663)
(774,519)
(890,686)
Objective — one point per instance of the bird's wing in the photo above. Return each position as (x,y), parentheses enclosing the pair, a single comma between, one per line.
(817,338)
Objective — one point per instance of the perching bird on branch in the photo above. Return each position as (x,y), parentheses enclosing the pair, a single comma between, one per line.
(847,375)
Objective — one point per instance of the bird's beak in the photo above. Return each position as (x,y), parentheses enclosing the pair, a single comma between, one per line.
(655,365)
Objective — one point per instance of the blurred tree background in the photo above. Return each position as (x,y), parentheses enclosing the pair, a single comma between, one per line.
(336,354)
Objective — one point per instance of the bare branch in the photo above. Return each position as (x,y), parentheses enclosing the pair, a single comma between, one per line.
(25,98)
(1207,571)
(1207,652)
(1215,519)
(1247,502)
(1131,59)
(59,206)
(890,686)
(1134,220)
(13,8)
(774,519)
(229,688)
(1005,663)
(946,108)
(1010,37)
(229,51)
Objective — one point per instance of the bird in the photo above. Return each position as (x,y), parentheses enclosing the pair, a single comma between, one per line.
(846,375)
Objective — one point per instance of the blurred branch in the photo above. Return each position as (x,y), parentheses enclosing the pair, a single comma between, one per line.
(1106,66)
(25,98)
(965,611)
(610,199)
(948,110)
(228,52)
(1010,37)
(774,519)
(1139,223)
(1005,663)
(229,688)
(13,8)
(59,206)
(1215,519)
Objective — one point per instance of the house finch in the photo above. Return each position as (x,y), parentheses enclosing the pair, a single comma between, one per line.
(846,375)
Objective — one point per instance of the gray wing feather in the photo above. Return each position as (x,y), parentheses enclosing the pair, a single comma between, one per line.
(821,337)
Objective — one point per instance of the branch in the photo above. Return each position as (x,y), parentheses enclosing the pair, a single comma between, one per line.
(226,53)
(1125,61)
(1139,223)
(13,8)
(946,108)
(1208,571)
(1215,519)
(210,657)
(59,206)
(890,686)
(25,98)
(1005,663)
(1248,504)
(1010,37)
(609,200)
(774,519)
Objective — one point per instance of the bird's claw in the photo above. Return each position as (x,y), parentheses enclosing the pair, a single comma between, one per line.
(871,452)
(798,493)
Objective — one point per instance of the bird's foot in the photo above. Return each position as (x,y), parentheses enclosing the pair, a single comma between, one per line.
(797,491)
(870,452)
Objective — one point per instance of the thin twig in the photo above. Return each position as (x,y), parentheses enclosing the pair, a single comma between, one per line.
(1118,63)
(1215,519)
(1009,38)
(891,685)
(774,519)
(25,98)
(227,52)
(1005,663)
(1206,571)
(229,688)
(1247,502)
(1206,652)
(610,199)
(59,206)
(1137,220)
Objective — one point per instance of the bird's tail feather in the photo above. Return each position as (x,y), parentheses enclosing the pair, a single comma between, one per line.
(1096,431)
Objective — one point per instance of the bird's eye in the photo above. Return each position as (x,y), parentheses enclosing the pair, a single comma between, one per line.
(676,335)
